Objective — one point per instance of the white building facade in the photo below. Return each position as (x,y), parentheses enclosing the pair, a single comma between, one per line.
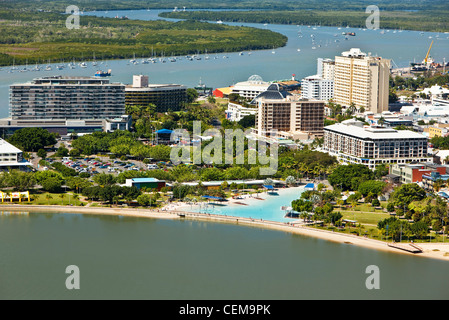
(315,87)
(351,142)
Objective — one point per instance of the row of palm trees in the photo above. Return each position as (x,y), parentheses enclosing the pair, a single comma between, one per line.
(309,170)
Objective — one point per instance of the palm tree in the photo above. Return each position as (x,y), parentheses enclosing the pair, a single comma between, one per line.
(76,197)
(48,197)
(290,180)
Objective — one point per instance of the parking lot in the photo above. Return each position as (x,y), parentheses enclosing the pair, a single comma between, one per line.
(96,165)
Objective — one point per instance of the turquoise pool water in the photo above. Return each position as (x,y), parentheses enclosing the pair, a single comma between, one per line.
(268,209)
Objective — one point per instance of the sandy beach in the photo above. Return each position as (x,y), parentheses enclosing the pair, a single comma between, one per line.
(430,250)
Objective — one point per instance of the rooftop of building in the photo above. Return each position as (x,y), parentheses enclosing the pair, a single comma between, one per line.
(253,81)
(273,92)
(68,80)
(356,129)
(6,147)
(153,86)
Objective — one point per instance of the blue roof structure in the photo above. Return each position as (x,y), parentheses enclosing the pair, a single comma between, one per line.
(213,198)
(268,187)
(310,186)
(164,131)
(143,180)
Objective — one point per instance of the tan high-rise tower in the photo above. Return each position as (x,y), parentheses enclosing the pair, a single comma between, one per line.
(363,80)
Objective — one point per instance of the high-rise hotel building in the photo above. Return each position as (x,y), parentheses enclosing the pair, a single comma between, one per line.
(68,98)
(67,105)
(289,116)
(363,80)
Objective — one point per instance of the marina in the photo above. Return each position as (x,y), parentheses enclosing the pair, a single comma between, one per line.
(279,63)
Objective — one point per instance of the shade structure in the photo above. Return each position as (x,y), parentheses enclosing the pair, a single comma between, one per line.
(213,198)
(268,187)
(164,131)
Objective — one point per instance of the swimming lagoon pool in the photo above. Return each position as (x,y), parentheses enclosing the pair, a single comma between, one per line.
(267,209)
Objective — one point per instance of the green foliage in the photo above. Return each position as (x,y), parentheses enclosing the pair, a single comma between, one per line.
(18,180)
(338,14)
(300,205)
(407,193)
(371,186)
(349,177)
(32,139)
(50,181)
(66,171)
(41,36)
(42,153)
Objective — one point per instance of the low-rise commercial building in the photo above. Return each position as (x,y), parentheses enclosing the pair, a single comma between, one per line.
(237,112)
(150,183)
(11,157)
(251,88)
(352,142)
(413,172)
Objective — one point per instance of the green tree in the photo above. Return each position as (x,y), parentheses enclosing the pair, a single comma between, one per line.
(349,177)
(192,95)
(104,179)
(42,153)
(32,139)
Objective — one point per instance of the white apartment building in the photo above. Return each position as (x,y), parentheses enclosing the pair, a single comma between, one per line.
(352,142)
(315,87)
(237,112)
(363,80)
(326,68)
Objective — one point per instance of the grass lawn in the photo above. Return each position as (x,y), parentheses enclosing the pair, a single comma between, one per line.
(56,199)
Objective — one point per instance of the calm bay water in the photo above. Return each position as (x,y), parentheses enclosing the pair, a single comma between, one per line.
(403,47)
(135,258)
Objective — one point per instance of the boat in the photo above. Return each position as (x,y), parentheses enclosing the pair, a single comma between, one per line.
(100,73)
(219,22)
(241,54)
(83,65)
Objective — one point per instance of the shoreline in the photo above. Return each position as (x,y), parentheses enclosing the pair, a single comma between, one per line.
(430,250)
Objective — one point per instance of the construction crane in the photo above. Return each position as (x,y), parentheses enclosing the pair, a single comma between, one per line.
(427,56)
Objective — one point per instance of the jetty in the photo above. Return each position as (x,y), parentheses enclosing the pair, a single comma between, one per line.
(409,247)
